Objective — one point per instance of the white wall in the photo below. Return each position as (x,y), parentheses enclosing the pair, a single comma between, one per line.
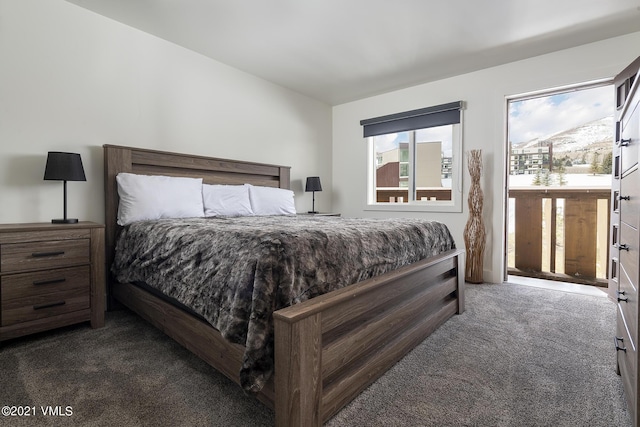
(72,80)
(484,128)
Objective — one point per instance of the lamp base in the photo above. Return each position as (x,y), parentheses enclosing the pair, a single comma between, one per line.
(313,212)
(65,221)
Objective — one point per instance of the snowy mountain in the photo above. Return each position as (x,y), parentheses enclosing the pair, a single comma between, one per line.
(589,137)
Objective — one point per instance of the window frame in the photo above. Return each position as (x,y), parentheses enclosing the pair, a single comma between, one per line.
(453,205)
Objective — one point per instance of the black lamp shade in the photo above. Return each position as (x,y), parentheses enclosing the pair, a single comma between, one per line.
(64,167)
(313,184)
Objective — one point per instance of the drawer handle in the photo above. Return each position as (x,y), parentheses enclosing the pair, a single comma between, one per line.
(49,282)
(625,142)
(618,348)
(624,298)
(624,198)
(622,247)
(53,304)
(44,254)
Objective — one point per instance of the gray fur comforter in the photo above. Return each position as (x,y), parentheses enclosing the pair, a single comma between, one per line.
(235,272)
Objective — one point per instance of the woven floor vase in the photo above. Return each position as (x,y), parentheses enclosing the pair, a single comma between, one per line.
(474,232)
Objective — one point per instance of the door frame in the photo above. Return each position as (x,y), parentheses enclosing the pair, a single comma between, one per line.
(507,148)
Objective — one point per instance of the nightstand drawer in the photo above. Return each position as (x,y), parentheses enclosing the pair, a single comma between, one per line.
(41,306)
(23,285)
(43,255)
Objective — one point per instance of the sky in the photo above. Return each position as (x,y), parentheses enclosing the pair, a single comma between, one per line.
(544,116)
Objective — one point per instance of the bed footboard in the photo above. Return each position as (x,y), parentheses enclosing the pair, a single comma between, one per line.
(330,348)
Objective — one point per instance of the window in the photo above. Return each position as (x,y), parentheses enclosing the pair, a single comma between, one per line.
(415,160)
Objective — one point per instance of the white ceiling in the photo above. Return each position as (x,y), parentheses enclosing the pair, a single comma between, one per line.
(342,50)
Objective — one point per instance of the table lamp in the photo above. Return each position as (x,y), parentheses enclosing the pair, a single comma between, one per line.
(64,167)
(313,184)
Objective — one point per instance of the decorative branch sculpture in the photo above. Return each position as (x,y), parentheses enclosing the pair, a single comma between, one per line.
(474,232)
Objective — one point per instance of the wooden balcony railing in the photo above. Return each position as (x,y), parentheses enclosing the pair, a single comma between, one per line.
(387,194)
(559,234)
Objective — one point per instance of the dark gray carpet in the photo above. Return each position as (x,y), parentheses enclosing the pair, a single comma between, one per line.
(519,356)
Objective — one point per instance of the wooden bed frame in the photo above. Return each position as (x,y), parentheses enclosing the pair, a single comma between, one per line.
(327,349)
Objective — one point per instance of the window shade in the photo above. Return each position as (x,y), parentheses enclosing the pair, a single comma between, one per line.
(438,115)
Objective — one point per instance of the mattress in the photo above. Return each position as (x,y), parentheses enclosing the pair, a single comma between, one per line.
(235,272)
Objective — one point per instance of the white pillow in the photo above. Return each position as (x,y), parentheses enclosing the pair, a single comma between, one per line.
(229,200)
(271,200)
(145,197)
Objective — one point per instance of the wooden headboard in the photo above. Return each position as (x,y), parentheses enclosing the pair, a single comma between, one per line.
(152,162)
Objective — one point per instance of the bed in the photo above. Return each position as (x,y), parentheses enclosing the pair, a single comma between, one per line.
(327,349)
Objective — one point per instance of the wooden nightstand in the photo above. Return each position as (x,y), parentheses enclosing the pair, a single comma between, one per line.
(320,213)
(51,275)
